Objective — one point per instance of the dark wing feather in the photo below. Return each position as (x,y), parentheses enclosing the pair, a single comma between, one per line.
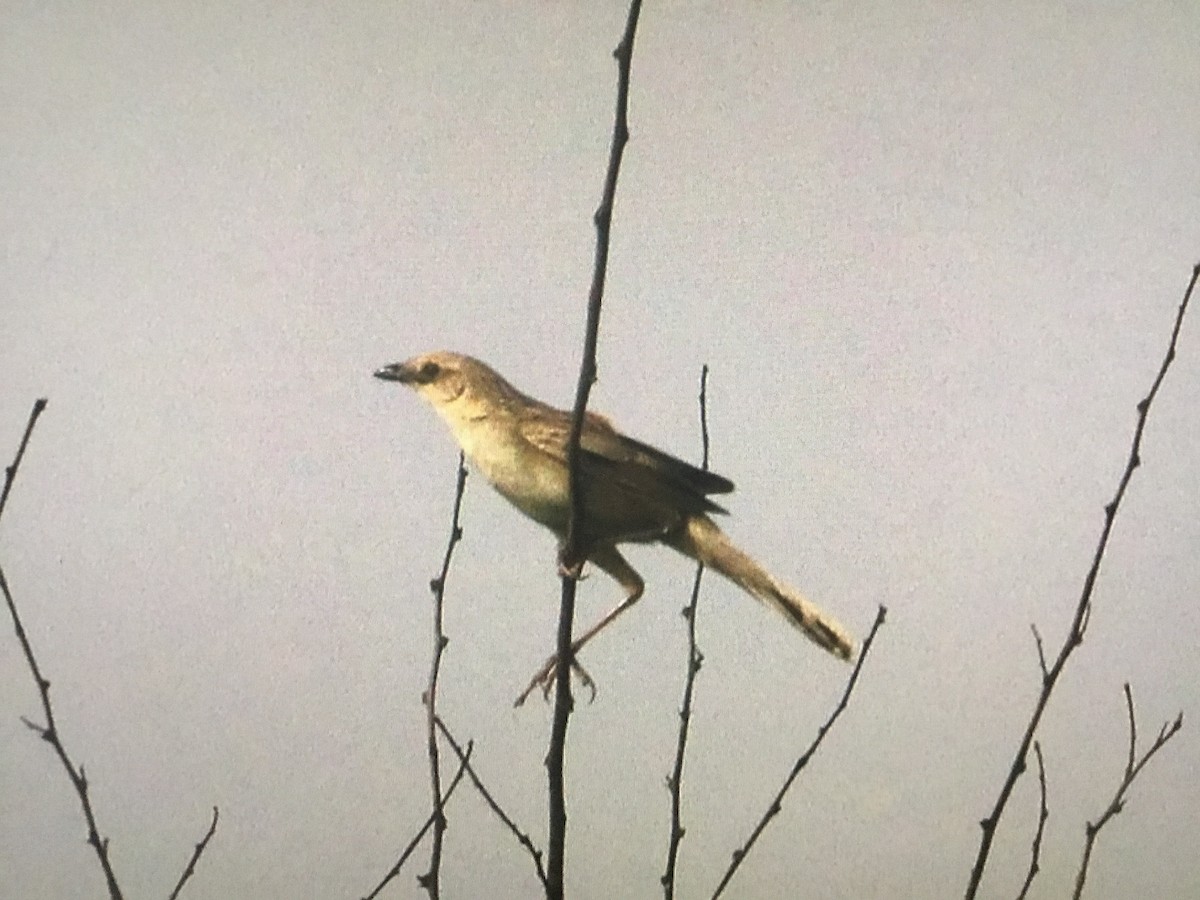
(655,483)
(619,447)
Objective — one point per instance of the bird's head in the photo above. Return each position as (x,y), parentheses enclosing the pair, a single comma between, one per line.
(456,385)
(439,377)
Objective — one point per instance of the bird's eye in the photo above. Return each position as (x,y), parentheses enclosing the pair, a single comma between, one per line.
(430,371)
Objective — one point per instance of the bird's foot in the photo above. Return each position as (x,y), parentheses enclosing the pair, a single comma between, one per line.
(546,675)
(571,570)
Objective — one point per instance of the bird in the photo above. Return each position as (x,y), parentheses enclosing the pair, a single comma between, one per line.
(631,492)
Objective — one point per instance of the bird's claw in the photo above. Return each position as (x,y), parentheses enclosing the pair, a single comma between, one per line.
(573,571)
(545,678)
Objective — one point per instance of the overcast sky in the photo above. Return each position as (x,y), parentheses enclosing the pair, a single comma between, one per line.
(930,251)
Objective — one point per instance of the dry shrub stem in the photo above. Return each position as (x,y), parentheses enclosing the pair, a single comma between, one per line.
(424,829)
(572,558)
(1083,607)
(430,880)
(50,731)
(1043,815)
(695,661)
(522,837)
(10,471)
(1133,766)
(190,868)
(776,805)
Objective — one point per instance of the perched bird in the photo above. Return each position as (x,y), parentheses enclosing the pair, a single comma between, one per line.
(631,492)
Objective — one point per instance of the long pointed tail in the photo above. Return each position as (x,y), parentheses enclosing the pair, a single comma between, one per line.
(704,542)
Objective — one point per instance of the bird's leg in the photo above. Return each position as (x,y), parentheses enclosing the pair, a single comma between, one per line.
(572,567)
(608,558)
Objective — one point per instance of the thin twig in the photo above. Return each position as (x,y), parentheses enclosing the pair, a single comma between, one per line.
(10,472)
(522,837)
(429,823)
(1043,815)
(1133,766)
(572,553)
(190,868)
(776,805)
(695,660)
(1083,608)
(430,880)
(1041,649)
(49,732)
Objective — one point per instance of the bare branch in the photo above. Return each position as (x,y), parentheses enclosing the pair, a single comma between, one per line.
(429,823)
(695,660)
(10,472)
(190,868)
(430,879)
(1041,649)
(1083,607)
(49,732)
(1133,766)
(776,804)
(522,837)
(1043,815)
(572,554)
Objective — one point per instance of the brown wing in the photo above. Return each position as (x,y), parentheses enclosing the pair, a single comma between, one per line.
(632,490)
(611,444)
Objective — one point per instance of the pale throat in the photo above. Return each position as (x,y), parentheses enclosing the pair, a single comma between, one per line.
(532,481)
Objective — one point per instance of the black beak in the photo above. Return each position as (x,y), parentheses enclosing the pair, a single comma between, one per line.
(395,372)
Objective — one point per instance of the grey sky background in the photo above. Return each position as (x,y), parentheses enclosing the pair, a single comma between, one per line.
(931,254)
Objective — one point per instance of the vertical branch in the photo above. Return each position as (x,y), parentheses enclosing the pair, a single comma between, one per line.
(430,879)
(1083,608)
(695,660)
(573,553)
